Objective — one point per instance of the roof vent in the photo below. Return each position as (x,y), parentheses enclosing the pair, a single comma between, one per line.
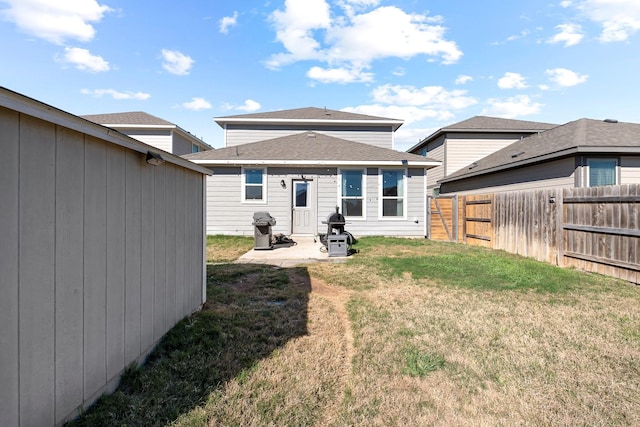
(311,135)
(610,121)
(473,165)
(519,153)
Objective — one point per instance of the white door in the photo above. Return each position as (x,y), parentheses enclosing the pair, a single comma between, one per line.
(303,207)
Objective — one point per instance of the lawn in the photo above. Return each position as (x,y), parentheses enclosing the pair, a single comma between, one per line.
(407,332)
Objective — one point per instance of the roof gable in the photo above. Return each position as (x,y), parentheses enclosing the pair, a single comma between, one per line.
(583,135)
(485,124)
(127,118)
(308,116)
(308,148)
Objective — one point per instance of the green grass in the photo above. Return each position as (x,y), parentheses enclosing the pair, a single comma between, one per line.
(472,267)
(419,363)
(223,249)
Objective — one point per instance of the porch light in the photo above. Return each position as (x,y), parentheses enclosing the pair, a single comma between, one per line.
(154,159)
(283,184)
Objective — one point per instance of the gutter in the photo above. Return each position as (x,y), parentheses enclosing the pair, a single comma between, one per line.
(425,164)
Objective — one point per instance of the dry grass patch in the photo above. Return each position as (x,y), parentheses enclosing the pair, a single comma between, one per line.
(407,332)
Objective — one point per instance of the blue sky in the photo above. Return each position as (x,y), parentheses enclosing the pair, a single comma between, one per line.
(430,63)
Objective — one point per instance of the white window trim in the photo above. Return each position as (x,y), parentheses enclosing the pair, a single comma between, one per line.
(588,169)
(364,193)
(243,192)
(405,205)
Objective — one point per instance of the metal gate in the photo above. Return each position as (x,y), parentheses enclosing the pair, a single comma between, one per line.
(442,214)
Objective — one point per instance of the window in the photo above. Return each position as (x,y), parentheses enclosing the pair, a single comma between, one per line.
(602,172)
(302,191)
(254,185)
(393,189)
(194,148)
(352,193)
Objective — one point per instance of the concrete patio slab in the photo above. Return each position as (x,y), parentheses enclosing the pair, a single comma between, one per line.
(307,249)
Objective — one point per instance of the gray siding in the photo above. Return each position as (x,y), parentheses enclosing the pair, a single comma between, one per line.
(380,136)
(82,272)
(181,145)
(436,150)
(227,215)
(555,174)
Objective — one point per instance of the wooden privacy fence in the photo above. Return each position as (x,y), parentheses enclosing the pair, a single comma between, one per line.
(593,229)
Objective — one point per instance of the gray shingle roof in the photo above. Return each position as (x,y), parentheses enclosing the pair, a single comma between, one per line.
(309,113)
(127,118)
(583,135)
(498,124)
(486,124)
(307,147)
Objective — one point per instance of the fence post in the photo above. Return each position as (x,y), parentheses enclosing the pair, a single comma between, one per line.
(464,219)
(560,229)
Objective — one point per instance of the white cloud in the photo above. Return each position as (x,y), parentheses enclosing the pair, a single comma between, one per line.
(56,21)
(84,60)
(509,108)
(228,22)
(463,79)
(399,71)
(562,77)
(413,104)
(409,114)
(569,34)
(249,106)
(620,19)
(523,34)
(99,93)
(339,75)
(512,81)
(197,104)
(355,39)
(435,97)
(176,62)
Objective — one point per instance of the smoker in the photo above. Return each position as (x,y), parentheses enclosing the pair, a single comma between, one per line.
(262,222)
(337,240)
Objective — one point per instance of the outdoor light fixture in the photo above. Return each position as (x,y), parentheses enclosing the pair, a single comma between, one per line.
(283,184)
(154,159)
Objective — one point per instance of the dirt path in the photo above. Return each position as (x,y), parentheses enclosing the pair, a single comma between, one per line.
(338,297)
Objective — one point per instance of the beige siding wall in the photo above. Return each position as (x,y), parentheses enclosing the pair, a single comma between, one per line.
(243,134)
(157,138)
(100,255)
(462,150)
(226,214)
(549,175)
(629,170)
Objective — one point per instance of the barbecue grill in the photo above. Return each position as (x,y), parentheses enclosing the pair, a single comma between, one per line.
(337,240)
(263,221)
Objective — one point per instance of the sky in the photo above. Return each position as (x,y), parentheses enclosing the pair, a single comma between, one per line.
(429,63)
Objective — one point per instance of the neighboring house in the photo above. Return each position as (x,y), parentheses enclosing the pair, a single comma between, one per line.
(581,153)
(152,130)
(101,253)
(462,143)
(292,164)
(245,128)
